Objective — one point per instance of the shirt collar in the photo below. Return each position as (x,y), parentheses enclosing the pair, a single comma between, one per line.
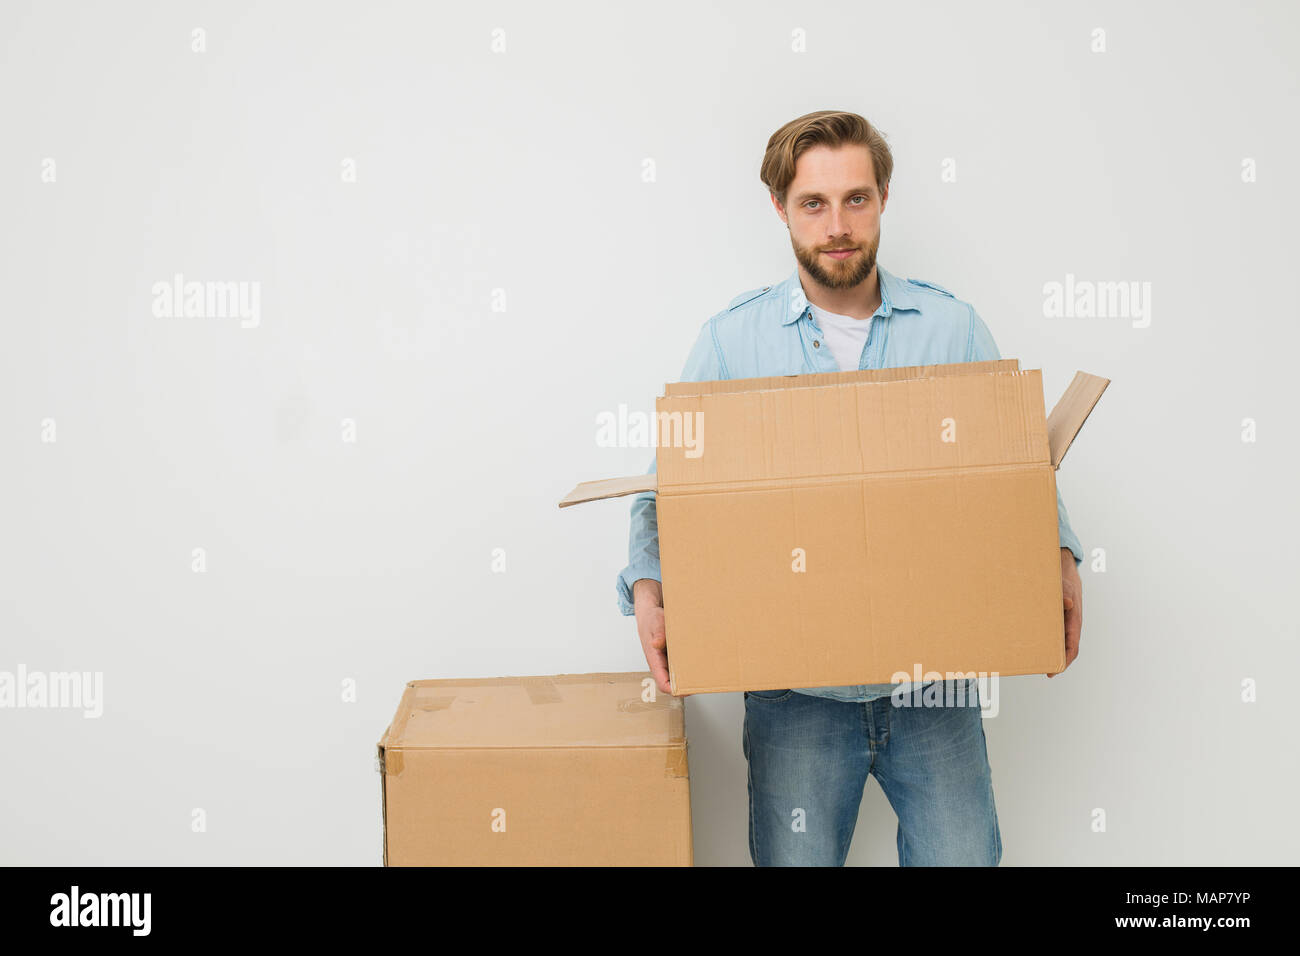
(894,295)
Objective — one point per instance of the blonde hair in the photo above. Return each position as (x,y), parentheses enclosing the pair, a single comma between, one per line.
(823,128)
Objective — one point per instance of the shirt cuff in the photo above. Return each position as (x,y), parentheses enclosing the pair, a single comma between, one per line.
(628,577)
(1068,540)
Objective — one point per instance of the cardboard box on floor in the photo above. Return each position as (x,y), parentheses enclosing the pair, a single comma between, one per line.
(844,528)
(562,770)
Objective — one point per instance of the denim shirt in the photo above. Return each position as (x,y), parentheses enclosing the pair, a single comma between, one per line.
(772,331)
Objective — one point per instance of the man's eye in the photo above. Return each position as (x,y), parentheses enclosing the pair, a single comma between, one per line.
(811,202)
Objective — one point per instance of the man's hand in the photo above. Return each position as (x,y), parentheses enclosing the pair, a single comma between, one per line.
(648,601)
(1072,597)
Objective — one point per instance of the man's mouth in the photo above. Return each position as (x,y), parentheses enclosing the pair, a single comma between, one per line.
(840,253)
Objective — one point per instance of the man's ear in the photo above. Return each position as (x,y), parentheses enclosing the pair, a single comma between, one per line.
(777,206)
(884,197)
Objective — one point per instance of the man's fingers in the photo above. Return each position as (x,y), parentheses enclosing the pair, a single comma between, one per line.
(661,679)
(1071,649)
(1072,629)
(657,657)
(659,667)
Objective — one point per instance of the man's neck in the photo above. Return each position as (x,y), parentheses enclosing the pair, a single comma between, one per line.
(860,302)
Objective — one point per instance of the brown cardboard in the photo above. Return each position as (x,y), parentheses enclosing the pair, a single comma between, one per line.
(922,502)
(559,770)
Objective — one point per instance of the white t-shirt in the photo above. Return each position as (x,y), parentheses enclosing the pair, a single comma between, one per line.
(844,335)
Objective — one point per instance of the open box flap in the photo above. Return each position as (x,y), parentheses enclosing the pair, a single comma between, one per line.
(1072,411)
(610,488)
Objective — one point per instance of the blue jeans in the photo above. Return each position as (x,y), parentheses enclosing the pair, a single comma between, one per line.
(809,758)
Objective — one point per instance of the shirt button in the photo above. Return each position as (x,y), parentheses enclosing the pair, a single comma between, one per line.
(816,344)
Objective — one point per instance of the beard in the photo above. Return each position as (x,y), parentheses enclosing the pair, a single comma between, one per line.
(842,274)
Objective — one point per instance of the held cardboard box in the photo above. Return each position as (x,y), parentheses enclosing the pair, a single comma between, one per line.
(849,527)
(563,770)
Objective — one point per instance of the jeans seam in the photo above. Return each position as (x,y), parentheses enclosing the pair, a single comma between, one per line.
(993,811)
(749,785)
(871,743)
(993,815)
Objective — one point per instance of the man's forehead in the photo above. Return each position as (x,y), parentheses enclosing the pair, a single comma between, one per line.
(839,172)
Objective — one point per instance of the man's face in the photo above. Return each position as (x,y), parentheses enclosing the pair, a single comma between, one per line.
(833,204)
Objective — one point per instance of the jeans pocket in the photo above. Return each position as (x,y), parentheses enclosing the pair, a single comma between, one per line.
(771,696)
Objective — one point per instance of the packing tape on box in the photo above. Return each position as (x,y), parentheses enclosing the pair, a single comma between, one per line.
(425,700)
(675,765)
(675,762)
(431,699)
(391,761)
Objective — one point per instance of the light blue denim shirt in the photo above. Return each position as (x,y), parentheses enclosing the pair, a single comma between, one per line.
(772,331)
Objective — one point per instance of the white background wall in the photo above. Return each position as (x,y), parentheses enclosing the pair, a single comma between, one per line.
(522,170)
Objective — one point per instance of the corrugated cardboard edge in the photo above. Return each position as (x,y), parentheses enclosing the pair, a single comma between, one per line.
(383,801)
(381,761)
(819,379)
(685,772)
(388,760)
(1069,414)
(1057,666)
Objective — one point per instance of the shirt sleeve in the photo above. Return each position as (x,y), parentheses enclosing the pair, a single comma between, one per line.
(704,364)
(982,348)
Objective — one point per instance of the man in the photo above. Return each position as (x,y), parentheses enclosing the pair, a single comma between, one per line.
(810,750)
